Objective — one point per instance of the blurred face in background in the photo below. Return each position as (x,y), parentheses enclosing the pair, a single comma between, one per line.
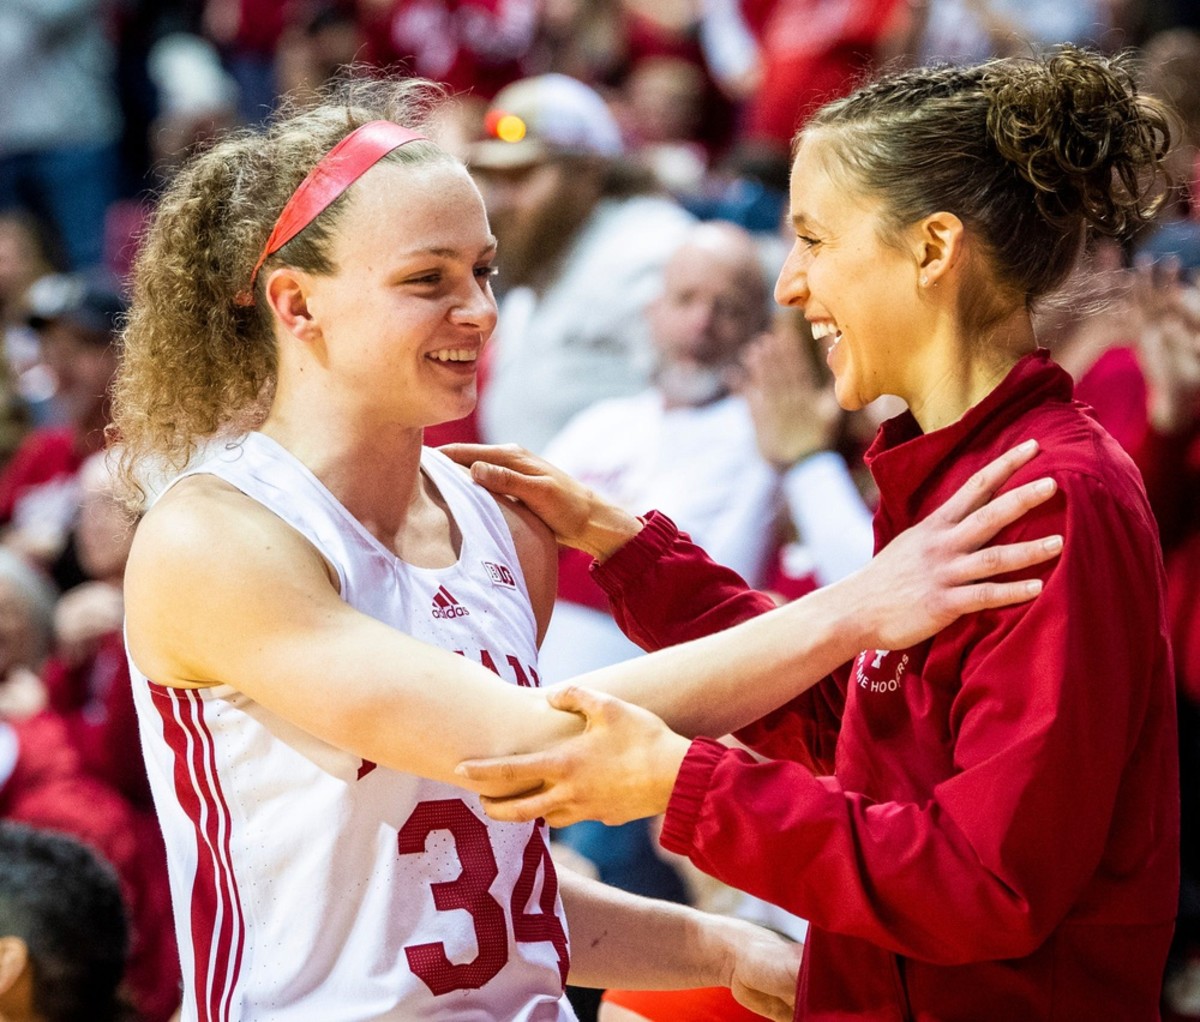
(535,210)
(20,643)
(22,260)
(104,530)
(83,365)
(714,301)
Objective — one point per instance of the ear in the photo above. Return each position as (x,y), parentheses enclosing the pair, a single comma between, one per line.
(938,246)
(14,959)
(288,291)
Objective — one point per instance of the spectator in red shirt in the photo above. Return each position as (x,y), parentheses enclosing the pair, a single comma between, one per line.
(76,319)
(984,825)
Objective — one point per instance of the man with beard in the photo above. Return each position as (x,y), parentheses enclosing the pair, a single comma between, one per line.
(582,244)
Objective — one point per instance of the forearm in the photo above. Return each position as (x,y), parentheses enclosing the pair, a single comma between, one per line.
(622,940)
(716,684)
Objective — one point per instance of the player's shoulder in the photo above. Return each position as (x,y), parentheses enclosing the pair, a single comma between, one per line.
(204,524)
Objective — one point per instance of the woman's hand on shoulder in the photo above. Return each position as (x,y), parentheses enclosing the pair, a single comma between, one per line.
(576,515)
(942,568)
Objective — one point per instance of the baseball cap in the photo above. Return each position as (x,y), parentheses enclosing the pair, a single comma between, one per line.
(544,116)
(90,305)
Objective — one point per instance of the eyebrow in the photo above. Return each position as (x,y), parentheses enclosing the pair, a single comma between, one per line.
(450,253)
(802,220)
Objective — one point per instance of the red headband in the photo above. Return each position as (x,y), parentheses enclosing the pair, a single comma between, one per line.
(338,169)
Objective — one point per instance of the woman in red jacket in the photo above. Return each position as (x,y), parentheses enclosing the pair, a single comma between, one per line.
(983,825)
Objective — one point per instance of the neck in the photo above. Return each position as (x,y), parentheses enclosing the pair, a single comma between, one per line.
(959,372)
(373,470)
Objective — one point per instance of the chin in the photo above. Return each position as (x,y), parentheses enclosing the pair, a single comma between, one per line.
(452,413)
(848,399)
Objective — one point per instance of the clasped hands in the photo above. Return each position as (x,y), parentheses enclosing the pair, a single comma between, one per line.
(622,766)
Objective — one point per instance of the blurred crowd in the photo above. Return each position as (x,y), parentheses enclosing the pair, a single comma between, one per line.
(634,158)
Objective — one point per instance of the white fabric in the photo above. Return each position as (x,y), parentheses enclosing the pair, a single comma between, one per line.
(829,513)
(955,32)
(585,337)
(700,466)
(9,750)
(295,897)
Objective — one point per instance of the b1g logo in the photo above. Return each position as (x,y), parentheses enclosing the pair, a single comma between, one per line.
(500,574)
(880,670)
(446,606)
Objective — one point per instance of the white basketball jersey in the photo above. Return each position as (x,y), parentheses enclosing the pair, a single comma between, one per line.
(311,886)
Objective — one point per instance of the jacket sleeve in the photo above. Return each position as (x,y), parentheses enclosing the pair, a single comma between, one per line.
(1053,699)
(663,590)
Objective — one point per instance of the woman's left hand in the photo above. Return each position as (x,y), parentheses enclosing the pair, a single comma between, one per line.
(621,767)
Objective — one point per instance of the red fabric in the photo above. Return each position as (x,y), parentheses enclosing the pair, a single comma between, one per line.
(95,702)
(1115,387)
(813,51)
(575,582)
(471,45)
(707,1004)
(339,168)
(787,585)
(998,836)
(1183,587)
(49,789)
(45,456)
(261,23)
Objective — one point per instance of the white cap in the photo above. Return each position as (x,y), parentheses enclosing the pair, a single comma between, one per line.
(545,116)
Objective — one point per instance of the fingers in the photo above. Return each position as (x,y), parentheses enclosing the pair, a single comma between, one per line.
(508,455)
(764,1004)
(978,490)
(543,804)
(989,595)
(576,699)
(982,524)
(515,773)
(1000,560)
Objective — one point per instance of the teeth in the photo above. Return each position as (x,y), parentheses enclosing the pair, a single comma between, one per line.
(823,329)
(454,355)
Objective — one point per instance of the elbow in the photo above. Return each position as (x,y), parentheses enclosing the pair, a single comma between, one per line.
(997,933)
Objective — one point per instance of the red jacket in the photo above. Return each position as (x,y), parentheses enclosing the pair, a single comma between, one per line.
(983,826)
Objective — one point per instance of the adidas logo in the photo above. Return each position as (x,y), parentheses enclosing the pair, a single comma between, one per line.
(446,606)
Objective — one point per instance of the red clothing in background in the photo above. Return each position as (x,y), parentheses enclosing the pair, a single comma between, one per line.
(95,701)
(472,45)
(706,1004)
(813,51)
(984,826)
(47,459)
(48,789)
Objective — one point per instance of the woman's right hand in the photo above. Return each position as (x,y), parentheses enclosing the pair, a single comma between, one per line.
(576,515)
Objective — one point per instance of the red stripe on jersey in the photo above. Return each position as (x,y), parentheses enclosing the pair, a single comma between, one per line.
(215,912)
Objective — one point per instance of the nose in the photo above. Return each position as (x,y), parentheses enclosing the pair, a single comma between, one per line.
(697,317)
(791,289)
(477,308)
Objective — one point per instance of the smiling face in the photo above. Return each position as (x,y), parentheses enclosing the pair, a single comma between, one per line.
(404,316)
(859,294)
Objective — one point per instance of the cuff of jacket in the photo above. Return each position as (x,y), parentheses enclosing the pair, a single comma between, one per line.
(687,797)
(630,563)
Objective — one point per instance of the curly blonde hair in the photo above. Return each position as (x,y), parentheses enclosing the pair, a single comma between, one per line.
(1031,153)
(195,365)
